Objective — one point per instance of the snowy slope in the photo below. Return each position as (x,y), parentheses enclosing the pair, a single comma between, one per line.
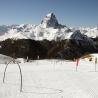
(50,79)
(4,59)
(34,32)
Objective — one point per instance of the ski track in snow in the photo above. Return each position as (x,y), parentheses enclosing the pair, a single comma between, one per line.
(50,79)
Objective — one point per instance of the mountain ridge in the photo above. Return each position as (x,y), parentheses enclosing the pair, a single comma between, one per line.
(49,29)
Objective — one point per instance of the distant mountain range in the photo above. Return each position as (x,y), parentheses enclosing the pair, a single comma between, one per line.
(49,39)
(49,29)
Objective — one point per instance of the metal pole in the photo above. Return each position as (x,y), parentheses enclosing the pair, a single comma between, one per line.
(20,77)
(95,67)
(76,68)
(95,63)
(19,71)
(5,71)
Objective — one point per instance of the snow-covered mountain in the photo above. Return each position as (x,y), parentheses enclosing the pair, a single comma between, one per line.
(90,32)
(50,21)
(49,29)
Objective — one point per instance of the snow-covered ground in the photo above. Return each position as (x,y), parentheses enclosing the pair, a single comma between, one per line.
(50,79)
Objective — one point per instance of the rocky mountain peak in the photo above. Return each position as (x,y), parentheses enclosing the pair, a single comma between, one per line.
(50,20)
(78,36)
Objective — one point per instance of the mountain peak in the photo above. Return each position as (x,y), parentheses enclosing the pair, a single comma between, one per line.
(50,20)
(50,15)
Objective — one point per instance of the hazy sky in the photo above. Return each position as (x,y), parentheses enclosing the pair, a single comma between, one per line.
(69,12)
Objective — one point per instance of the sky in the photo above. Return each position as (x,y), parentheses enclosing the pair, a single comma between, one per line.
(68,12)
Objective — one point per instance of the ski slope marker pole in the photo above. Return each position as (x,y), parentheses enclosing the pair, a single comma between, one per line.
(77,64)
